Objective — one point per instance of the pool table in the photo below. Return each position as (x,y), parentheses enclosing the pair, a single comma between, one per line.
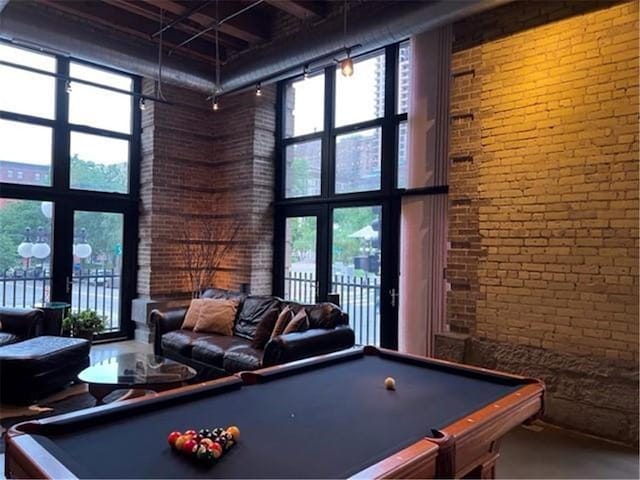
(325,417)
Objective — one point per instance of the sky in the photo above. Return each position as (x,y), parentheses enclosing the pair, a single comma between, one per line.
(355,98)
(33,94)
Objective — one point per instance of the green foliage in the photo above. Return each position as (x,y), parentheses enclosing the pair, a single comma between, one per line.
(104,230)
(96,176)
(14,217)
(87,320)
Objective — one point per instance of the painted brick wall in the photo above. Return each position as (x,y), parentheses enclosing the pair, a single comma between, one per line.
(544,202)
(212,166)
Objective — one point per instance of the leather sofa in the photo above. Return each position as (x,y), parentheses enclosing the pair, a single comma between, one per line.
(18,324)
(217,355)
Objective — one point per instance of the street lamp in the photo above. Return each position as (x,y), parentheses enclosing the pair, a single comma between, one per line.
(82,249)
(41,248)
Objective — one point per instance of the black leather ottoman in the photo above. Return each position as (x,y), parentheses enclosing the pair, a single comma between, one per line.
(31,369)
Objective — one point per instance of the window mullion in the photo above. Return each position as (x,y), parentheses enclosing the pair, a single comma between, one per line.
(60,161)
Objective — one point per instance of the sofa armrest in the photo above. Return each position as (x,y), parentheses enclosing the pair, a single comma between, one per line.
(299,345)
(23,322)
(163,322)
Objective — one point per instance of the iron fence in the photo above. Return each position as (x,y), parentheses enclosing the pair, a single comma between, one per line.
(93,289)
(359,297)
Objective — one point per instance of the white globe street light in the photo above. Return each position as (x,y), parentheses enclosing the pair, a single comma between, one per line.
(82,249)
(25,249)
(41,248)
(47,209)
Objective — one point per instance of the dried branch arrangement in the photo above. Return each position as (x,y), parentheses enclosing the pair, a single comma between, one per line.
(205,245)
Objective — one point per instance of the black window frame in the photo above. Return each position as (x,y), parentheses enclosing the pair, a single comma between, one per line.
(67,199)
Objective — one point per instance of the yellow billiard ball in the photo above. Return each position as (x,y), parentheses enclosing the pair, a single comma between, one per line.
(389,383)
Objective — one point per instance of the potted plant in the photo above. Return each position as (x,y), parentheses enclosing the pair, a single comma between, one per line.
(84,324)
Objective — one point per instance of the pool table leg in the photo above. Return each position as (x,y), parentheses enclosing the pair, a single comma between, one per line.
(486,468)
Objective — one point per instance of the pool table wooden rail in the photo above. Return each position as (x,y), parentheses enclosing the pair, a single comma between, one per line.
(467,447)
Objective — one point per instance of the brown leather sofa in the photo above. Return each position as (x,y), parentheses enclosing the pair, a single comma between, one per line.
(18,324)
(217,355)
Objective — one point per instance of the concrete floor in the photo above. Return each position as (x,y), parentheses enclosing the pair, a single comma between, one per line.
(539,451)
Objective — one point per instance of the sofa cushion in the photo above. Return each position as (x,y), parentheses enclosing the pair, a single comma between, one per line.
(8,338)
(211,349)
(325,315)
(254,309)
(240,358)
(181,341)
(299,323)
(265,327)
(286,315)
(192,315)
(217,315)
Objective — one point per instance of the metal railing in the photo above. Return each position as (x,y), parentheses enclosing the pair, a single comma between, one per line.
(359,297)
(93,289)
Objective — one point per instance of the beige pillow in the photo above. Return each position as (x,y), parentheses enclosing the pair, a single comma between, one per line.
(283,320)
(193,313)
(217,316)
(299,323)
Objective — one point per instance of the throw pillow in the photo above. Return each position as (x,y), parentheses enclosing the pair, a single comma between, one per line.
(254,309)
(264,328)
(299,323)
(217,316)
(193,313)
(286,315)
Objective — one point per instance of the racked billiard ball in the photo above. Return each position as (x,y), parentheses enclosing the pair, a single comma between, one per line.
(216,432)
(173,436)
(179,442)
(221,440)
(235,432)
(216,449)
(206,441)
(204,433)
(189,445)
(203,453)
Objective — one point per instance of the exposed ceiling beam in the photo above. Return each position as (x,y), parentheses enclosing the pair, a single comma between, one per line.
(308,10)
(137,9)
(71,9)
(243,30)
(3,3)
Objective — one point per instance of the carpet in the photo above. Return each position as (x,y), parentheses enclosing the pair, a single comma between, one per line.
(71,399)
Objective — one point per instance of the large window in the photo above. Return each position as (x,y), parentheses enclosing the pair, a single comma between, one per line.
(342,157)
(68,169)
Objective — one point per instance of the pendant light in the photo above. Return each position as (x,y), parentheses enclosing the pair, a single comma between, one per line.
(346,65)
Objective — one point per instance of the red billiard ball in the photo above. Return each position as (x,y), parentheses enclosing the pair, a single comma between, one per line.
(191,433)
(216,449)
(173,436)
(189,445)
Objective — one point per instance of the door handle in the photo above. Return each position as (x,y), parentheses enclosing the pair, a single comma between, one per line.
(68,285)
(393,294)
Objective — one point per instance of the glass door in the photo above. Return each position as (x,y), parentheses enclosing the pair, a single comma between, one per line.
(97,266)
(300,259)
(356,268)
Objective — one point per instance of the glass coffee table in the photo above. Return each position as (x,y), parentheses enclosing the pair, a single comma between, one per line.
(134,372)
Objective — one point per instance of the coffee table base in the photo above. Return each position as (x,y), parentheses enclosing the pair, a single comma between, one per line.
(100,392)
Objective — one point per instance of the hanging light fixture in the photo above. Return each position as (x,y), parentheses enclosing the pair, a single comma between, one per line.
(67,86)
(346,65)
(305,72)
(142,104)
(216,87)
(258,90)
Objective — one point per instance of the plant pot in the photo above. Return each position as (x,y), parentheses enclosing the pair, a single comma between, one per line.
(88,334)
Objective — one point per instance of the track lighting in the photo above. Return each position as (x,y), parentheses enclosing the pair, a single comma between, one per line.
(142,104)
(258,90)
(67,86)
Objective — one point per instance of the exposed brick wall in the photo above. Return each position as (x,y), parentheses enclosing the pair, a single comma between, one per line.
(544,195)
(203,165)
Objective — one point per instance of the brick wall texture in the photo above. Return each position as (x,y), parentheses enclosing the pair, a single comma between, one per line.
(204,166)
(544,199)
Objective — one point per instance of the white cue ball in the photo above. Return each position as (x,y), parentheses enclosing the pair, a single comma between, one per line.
(389,383)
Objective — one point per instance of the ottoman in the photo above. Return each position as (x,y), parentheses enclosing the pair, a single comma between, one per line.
(31,369)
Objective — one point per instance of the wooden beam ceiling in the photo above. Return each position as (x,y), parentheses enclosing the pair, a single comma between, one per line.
(241,27)
(308,10)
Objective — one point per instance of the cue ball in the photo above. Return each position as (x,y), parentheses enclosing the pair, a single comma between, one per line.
(389,383)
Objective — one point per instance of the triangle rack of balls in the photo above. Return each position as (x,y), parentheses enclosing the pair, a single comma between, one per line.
(205,445)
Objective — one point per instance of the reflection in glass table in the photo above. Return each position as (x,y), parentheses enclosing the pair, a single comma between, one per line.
(134,371)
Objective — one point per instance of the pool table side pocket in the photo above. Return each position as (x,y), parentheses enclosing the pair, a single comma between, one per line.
(477,436)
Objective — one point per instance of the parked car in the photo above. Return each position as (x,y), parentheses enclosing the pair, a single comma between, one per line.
(101,277)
